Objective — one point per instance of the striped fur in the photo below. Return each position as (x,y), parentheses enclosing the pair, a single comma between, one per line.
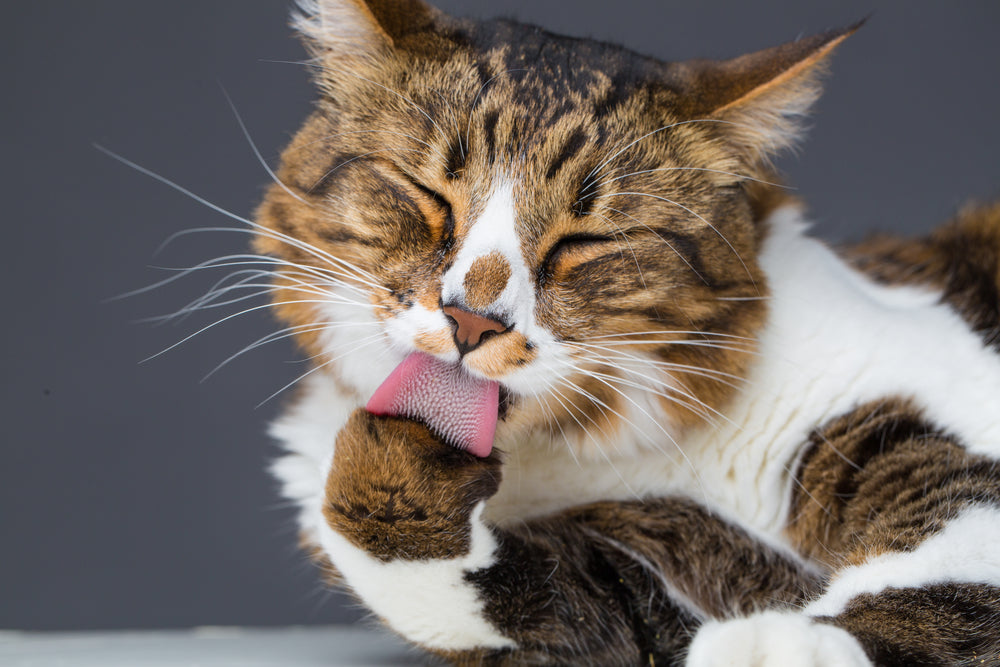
(720,442)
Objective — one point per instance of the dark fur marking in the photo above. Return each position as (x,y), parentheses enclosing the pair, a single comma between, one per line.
(882,478)
(489,131)
(576,141)
(941,624)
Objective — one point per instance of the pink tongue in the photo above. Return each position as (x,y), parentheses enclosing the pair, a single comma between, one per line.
(460,408)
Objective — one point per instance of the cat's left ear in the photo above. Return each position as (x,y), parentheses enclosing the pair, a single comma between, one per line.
(761,98)
(358,30)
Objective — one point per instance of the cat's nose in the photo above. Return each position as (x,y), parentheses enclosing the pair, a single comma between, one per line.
(470,330)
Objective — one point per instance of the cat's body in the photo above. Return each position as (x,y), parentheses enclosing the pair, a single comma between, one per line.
(704,413)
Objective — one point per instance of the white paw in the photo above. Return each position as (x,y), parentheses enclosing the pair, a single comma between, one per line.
(774,639)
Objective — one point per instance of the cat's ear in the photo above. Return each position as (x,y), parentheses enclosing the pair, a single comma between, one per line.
(358,30)
(759,99)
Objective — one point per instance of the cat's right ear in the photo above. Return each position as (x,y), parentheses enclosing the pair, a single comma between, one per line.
(760,98)
(356,32)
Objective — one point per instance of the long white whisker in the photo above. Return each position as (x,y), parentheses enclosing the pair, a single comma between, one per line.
(559,396)
(264,290)
(201,200)
(685,208)
(660,427)
(364,342)
(673,332)
(339,268)
(226,319)
(649,134)
(296,277)
(256,152)
(665,241)
(682,397)
(684,343)
(281,335)
(742,177)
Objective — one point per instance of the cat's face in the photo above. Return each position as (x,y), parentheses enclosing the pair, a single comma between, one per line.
(562,216)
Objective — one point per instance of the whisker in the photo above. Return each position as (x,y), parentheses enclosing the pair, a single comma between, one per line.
(363,343)
(742,177)
(665,241)
(328,298)
(650,134)
(559,396)
(685,208)
(288,332)
(201,200)
(306,272)
(660,427)
(340,267)
(682,342)
(226,319)
(672,332)
(256,151)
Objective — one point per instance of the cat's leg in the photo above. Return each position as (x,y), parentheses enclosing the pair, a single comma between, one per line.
(909,522)
(605,584)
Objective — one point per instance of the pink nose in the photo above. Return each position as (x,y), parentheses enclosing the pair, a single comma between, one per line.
(469,329)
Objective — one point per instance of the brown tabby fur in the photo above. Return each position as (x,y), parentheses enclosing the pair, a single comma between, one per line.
(420,181)
(420,116)
(882,478)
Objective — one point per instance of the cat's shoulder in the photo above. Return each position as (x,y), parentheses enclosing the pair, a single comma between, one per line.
(961,259)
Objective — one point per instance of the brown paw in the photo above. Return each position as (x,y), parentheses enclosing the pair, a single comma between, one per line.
(397,491)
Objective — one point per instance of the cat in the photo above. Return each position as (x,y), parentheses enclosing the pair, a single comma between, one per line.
(634,414)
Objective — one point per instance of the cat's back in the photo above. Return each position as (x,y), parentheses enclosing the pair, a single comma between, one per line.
(960,260)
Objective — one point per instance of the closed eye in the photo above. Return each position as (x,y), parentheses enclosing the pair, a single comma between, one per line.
(447,230)
(569,245)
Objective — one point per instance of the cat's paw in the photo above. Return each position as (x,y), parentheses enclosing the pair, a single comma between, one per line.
(774,639)
(397,492)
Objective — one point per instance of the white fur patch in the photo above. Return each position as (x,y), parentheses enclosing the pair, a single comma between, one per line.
(495,230)
(834,340)
(308,431)
(428,601)
(967,550)
(774,639)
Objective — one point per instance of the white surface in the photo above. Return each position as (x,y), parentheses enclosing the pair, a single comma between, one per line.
(208,647)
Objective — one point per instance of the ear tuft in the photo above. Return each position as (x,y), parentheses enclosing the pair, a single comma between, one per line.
(763,97)
(359,28)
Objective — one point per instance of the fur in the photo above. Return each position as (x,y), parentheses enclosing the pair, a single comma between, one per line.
(720,441)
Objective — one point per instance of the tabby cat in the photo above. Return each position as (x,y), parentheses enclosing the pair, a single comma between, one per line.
(621,409)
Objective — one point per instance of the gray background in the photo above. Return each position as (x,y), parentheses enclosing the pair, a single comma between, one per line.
(134,495)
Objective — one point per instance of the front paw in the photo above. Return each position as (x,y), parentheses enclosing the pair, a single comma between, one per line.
(774,639)
(398,492)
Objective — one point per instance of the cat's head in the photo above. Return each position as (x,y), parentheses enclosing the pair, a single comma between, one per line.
(571,219)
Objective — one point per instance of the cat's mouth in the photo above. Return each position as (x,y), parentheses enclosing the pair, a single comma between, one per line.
(460,408)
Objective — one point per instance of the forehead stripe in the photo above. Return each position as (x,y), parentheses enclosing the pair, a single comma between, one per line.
(573,144)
